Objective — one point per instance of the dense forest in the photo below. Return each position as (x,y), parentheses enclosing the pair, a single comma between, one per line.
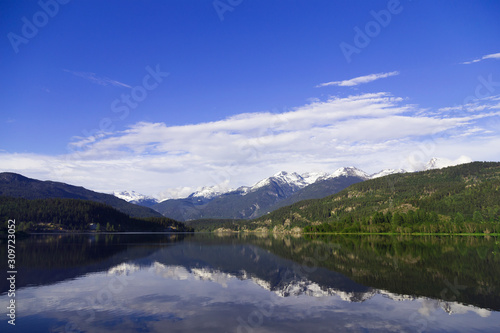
(75,214)
(460,199)
(209,225)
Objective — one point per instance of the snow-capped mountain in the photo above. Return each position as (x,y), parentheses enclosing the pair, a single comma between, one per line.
(312,177)
(136,198)
(386,172)
(282,189)
(299,181)
(209,192)
(439,163)
(349,172)
(293,179)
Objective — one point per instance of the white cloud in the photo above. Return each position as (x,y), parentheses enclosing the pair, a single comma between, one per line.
(370,131)
(103,81)
(488,56)
(358,80)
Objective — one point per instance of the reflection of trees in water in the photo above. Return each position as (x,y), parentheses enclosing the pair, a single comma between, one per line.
(45,259)
(63,251)
(464,269)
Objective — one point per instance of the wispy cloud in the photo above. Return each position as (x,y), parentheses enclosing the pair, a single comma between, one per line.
(488,56)
(371,131)
(103,81)
(358,80)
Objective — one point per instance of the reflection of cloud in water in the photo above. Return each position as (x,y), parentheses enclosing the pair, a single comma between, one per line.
(169,272)
(159,298)
(457,308)
(429,306)
(123,269)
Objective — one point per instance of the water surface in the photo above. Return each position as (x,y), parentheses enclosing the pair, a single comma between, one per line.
(238,283)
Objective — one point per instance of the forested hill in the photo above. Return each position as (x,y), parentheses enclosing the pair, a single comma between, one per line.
(73,214)
(464,198)
(15,185)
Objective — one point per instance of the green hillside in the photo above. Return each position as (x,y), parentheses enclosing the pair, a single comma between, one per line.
(460,199)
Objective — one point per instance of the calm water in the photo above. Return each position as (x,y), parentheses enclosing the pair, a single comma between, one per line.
(208,283)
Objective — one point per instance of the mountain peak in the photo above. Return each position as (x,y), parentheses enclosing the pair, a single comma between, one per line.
(209,192)
(349,171)
(386,172)
(130,196)
(136,198)
(281,174)
(312,177)
(283,177)
(288,177)
(439,163)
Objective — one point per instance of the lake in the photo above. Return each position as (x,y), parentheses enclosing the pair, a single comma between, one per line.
(253,283)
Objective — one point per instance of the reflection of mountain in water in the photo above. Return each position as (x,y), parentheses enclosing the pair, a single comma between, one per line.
(293,288)
(354,268)
(279,275)
(450,269)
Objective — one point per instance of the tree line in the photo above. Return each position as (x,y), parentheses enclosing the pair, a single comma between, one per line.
(77,215)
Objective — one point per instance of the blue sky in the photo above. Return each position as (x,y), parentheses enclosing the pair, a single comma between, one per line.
(166,96)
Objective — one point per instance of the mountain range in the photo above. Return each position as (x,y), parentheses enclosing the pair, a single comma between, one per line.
(249,202)
(269,194)
(458,199)
(246,202)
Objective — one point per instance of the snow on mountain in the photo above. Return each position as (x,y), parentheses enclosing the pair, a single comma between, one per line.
(297,181)
(312,177)
(386,172)
(293,179)
(293,287)
(210,192)
(349,171)
(439,163)
(132,196)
